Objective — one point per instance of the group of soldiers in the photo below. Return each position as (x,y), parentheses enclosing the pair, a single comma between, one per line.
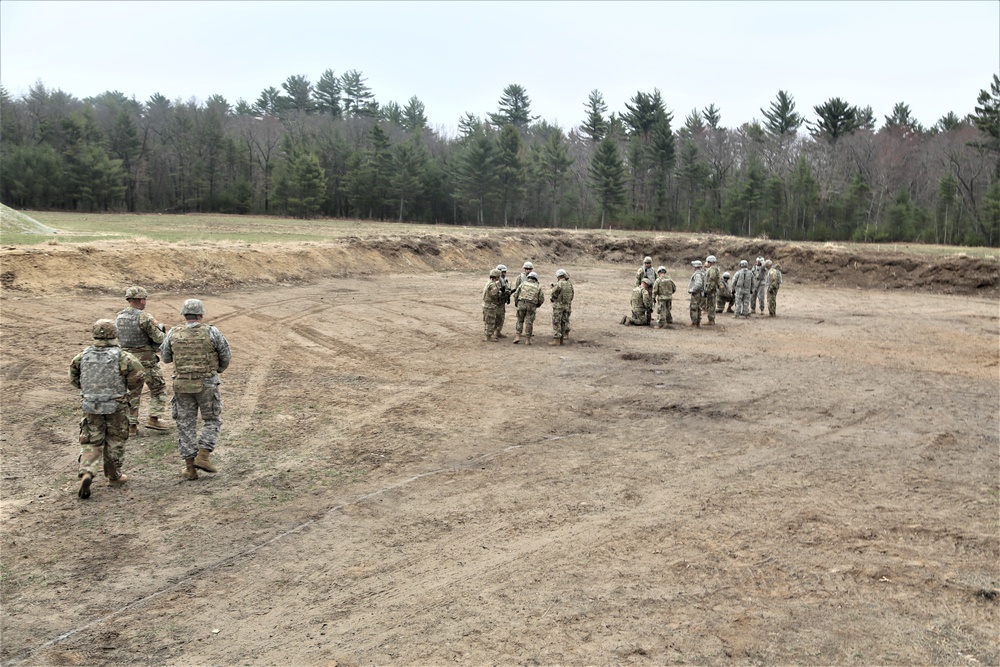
(710,290)
(126,355)
(527,295)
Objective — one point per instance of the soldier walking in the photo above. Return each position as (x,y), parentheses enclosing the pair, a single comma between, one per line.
(561,297)
(107,377)
(199,353)
(141,335)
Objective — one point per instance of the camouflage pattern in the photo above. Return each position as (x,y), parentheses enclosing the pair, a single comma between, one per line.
(663,294)
(528,296)
(505,293)
(724,297)
(103,436)
(742,291)
(491,303)
(773,284)
(139,333)
(757,291)
(185,409)
(641,304)
(696,288)
(713,277)
(561,297)
(194,394)
(645,272)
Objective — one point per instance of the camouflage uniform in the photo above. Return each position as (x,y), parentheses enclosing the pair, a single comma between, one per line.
(757,291)
(712,280)
(492,297)
(528,296)
(724,299)
(641,304)
(742,291)
(505,292)
(561,297)
(140,335)
(663,293)
(696,288)
(773,283)
(107,378)
(199,353)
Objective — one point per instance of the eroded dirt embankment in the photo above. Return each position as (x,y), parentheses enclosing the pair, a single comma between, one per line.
(214,266)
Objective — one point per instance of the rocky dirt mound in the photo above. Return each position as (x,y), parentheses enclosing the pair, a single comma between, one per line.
(107,266)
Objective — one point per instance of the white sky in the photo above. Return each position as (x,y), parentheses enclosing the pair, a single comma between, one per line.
(458,56)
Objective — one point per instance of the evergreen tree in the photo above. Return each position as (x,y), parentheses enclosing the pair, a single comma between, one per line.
(511,171)
(407,184)
(551,164)
(987,119)
(269,102)
(414,115)
(595,126)
(327,94)
(836,119)
(782,118)
(304,185)
(477,173)
(902,120)
(515,108)
(298,94)
(607,175)
(357,96)
(391,114)
(712,116)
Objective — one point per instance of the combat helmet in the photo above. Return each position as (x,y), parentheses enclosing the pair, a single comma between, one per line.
(494,274)
(696,263)
(528,266)
(192,307)
(562,273)
(662,269)
(136,292)
(744,263)
(501,268)
(725,275)
(711,259)
(105,330)
(533,276)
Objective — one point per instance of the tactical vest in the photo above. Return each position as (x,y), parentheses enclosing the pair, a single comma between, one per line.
(772,277)
(101,381)
(130,334)
(712,277)
(194,356)
(565,298)
(529,292)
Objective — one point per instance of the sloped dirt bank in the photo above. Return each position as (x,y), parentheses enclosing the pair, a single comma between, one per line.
(110,265)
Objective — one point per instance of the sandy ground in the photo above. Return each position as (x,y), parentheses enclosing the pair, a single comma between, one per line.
(822,487)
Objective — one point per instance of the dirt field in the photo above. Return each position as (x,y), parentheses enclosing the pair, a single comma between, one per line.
(818,488)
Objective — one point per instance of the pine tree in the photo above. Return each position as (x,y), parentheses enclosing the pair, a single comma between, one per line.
(511,170)
(607,175)
(782,118)
(327,94)
(595,127)
(515,108)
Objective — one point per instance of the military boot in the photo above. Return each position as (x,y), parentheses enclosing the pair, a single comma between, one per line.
(517,339)
(189,470)
(500,335)
(527,341)
(202,462)
(555,341)
(119,479)
(155,424)
(84,491)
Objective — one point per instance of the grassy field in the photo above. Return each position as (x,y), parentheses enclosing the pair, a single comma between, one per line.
(88,227)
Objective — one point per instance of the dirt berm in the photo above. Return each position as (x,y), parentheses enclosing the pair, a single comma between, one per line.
(212,266)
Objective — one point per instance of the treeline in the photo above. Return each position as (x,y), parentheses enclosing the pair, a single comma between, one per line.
(330,149)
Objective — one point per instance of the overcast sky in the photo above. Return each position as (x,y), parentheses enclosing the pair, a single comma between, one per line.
(457,57)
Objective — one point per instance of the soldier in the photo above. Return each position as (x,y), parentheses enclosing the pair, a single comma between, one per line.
(757,291)
(107,377)
(725,296)
(525,270)
(528,296)
(561,297)
(773,284)
(696,288)
(492,298)
(663,295)
(645,271)
(199,353)
(743,289)
(140,335)
(712,280)
(641,304)
(505,292)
